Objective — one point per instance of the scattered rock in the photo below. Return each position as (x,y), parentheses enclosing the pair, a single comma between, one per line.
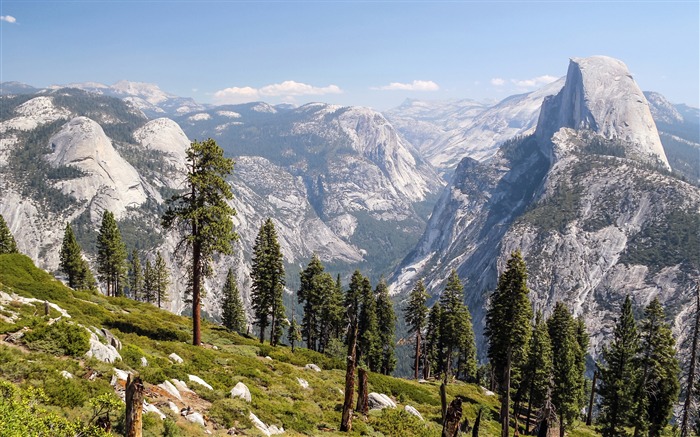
(121,375)
(181,386)
(148,408)
(215,347)
(313,367)
(488,392)
(303,383)
(199,381)
(173,407)
(175,358)
(111,339)
(66,375)
(168,387)
(196,417)
(241,391)
(379,401)
(409,409)
(267,430)
(144,362)
(422,381)
(102,352)
(268,358)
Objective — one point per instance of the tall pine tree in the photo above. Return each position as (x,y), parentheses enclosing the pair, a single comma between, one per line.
(386,324)
(149,281)
(456,332)
(72,263)
(310,297)
(508,329)
(368,348)
(135,277)
(618,375)
(204,217)
(415,316)
(111,255)
(232,312)
(537,374)
(162,279)
(7,240)
(567,376)
(267,274)
(431,346)
(658,385)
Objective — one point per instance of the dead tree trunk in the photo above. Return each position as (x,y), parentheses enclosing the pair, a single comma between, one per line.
(477,423)
(134,407)
(443,400)
(685,431)
(589,416)
(362,392)
(346,419)
(450,427)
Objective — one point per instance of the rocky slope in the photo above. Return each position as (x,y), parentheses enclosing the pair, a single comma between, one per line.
(588,200)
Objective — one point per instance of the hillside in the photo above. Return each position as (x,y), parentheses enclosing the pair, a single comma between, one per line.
(273,375)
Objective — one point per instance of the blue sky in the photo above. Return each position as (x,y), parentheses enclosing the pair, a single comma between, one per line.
(346,52)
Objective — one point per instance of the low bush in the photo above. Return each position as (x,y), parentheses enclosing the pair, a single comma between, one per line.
(60,338)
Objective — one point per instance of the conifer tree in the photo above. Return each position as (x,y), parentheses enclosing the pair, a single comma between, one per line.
(432,341)
(293,333)
(368,347)
(387,324)
(203,216)
(508,329)
(537,375)
(161,279)
(415,315)
(267,274)
(232,312)
(331,309)
(567,385)
(7,240)
(111,255)
(658,386)
(310,297)
(135,276)
(583,340)
(618,375)
(352,303)
(149,280)
(456,332)
(72,263)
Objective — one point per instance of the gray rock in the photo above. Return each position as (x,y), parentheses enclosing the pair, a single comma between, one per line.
(102,352)
(199,381)
(111,339)
(196,417)
(411,410)
(66,375)
(303,383)
(379,401)
(170,388)
(313,367)
(175,358)
(144,362)
(241,391)
(149,408)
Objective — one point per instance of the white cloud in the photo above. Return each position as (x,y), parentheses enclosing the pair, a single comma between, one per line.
(286,90)
(416,85)
(497,81)
(8,18)
(535,81)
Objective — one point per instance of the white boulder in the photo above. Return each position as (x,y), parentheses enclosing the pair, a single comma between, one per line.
(175,358)
(303,383)
(241,391)
(313,367)
(195,417)
(149,408)
(199,381)
(66,374)
(379,401)
(181,386)
(411,410)
(102,352)
(144,362)
(267,430)
(170,388)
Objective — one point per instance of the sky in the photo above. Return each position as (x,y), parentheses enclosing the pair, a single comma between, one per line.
(367,53)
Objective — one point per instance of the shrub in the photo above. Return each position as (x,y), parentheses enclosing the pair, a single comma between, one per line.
(227,412)
(65,392)
(60,338)
(399,422)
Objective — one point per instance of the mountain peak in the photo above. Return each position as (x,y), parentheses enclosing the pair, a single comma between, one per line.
(600,95)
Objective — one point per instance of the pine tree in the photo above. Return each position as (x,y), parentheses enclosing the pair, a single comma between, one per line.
(352,303)
(508,329)
(455,328)
(583,340)
(310,297)
(7,241)
(111,255)
(203,216)
(232,312)
(149,280)
(658,386)
(267,274)
(432,341)
(369,351)
(537,374)
(618,375)
(293,333)
(331,309)
(72,263)
(161,279)
(415,315)
(385,314)
(567,376)
(135,276)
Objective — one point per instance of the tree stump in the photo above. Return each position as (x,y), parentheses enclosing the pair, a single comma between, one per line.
(362,392)
(133,422)
(450,427)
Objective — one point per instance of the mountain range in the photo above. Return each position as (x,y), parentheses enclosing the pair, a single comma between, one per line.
(593,180)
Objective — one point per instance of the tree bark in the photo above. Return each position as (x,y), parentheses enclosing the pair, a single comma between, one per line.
(450,427)
(346,419)
(443,400)
(417,363)
(685,432)
(561,425)
(505,404)
(477,423)
(589,416)
(362,392)
(134,407)
(196,284)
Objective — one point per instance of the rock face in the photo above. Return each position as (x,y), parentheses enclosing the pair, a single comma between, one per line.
(592,218)
(600,95)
